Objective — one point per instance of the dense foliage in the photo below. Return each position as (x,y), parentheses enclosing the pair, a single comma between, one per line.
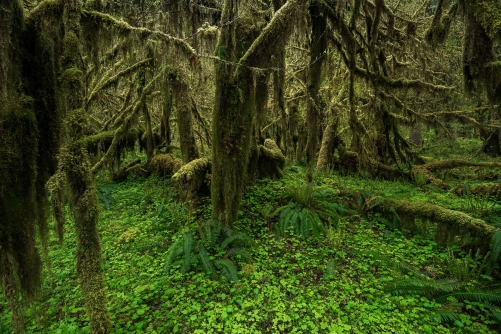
(267,166)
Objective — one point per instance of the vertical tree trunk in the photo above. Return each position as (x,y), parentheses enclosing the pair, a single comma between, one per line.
(184,109)
(279,86)
(232,132)
(317,58)
(235,106)
(74,162)
(165,131)
(20,264)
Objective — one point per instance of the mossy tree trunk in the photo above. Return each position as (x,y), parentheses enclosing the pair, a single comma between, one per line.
(165,131)
(184,109)
(317,58)
(235,105)
(20,264)
(75,163)
(279,86)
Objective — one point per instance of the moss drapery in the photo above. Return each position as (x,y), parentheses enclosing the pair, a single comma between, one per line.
(75,164)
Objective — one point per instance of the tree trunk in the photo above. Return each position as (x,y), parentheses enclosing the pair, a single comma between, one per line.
(184,108)
(235,106)
(317,58)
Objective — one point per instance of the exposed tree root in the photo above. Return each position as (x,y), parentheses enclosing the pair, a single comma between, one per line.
(450,223)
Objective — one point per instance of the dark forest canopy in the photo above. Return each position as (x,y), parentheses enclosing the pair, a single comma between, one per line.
(218,93)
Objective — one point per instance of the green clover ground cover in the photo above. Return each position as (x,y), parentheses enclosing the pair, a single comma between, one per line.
(333,284)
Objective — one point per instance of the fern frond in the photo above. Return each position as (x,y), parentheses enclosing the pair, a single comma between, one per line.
(231,239)
(227,268)
(316,226)
(205,260)
(175,250)
(422,286)
(282,219)
(482,296)
(496,314)
(239,251)
(187,247)
(446,316)
(299,219)
(495,246)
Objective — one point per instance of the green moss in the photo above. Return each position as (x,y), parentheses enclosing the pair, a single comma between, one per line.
(271,160)
(488,13)
(450,222)
(165,164)
(191,181)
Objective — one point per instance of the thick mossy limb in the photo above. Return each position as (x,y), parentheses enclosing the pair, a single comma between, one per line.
(450,222)
(427,169)
(165,164)
(380,170)
(271,160)
(482,190)
(192,180)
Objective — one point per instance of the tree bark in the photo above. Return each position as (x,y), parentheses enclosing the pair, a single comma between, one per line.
(317,58)
(184,108)
(235,106)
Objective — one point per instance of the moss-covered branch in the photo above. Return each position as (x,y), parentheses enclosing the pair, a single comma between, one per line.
(451,223)
(483,190)
(125,125)
(427,169)
(122,26)
(112,80)
(46,9)
(274,30)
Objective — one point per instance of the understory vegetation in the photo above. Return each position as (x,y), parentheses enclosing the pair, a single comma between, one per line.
(173,269)
(267,166)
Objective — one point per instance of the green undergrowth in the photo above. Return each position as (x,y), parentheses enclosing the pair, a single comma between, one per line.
(331,282)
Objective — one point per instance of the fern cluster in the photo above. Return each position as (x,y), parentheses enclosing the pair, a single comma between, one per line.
(308,212)
(212,249)
(495,250)
(442,290)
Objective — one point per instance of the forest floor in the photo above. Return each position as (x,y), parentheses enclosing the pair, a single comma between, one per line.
(358,278)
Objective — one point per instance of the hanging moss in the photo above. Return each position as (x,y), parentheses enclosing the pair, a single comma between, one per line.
(39,81)
(74,163)
(235,106)
(441,24)
(20,270)
(317,49)
(23,206)
(102,141)
(477,51)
